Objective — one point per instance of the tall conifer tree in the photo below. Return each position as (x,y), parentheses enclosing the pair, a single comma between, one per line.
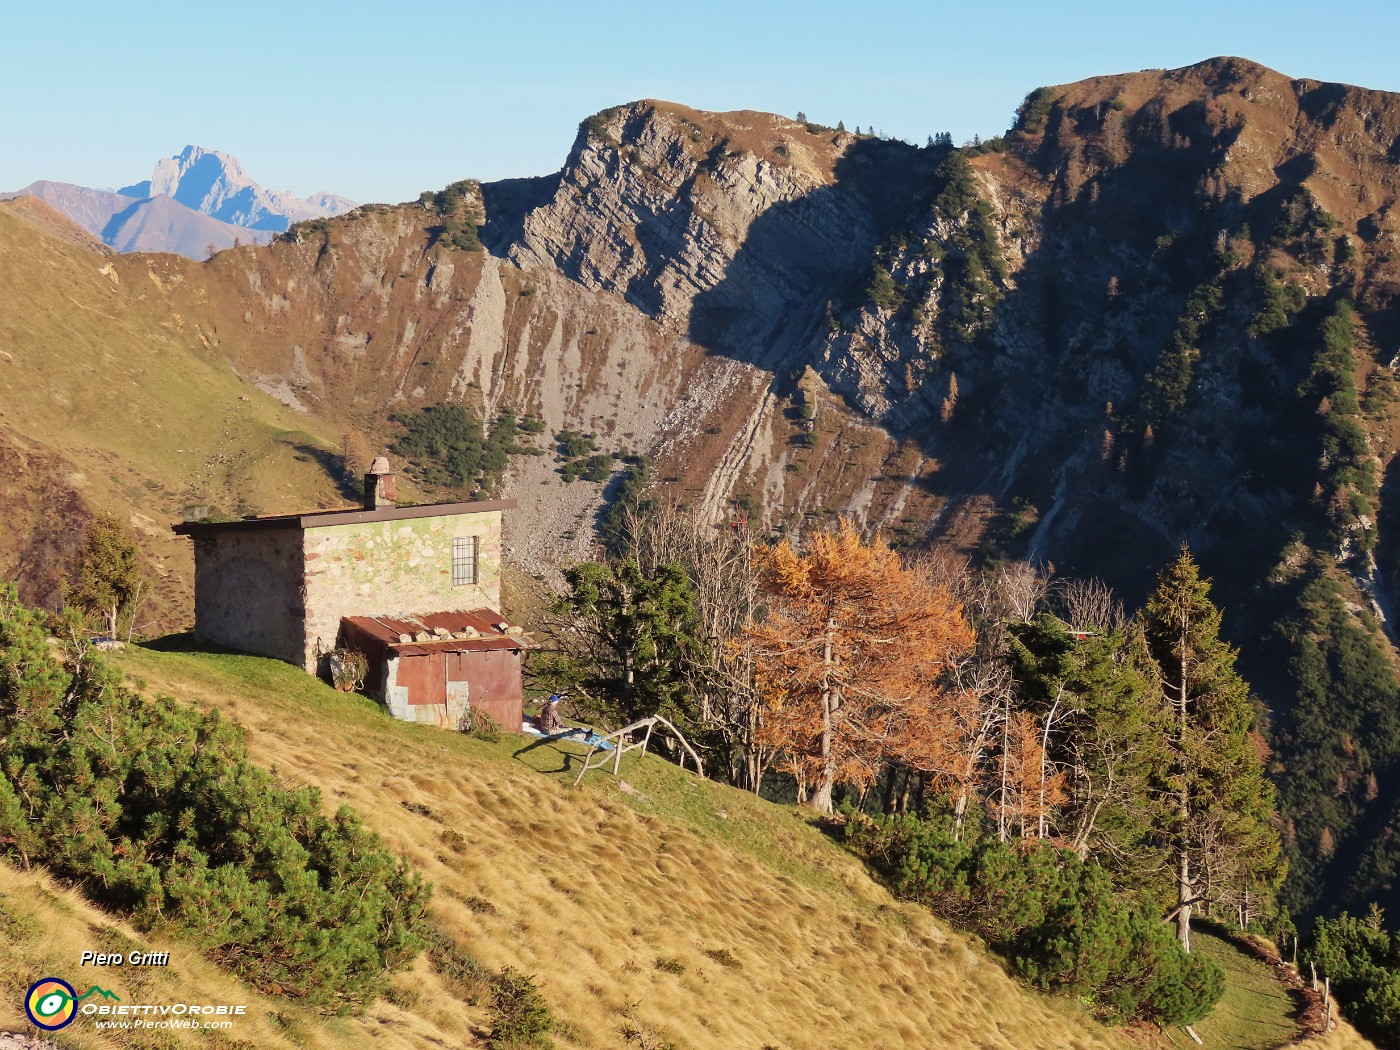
(1224,843)
(1095,694)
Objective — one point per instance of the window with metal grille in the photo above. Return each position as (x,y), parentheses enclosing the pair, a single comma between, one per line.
(464,560)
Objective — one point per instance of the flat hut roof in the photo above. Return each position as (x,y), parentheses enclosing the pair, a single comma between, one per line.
(461,631)
(322,518)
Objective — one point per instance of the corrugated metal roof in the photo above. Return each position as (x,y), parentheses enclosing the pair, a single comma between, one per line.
(487,621)
(473,645)
(412,634)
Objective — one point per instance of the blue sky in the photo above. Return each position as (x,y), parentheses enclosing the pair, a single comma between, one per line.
(379,101)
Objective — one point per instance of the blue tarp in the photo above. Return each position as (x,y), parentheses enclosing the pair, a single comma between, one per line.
(576,735)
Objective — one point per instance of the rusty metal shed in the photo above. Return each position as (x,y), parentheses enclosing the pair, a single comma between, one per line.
(433,667)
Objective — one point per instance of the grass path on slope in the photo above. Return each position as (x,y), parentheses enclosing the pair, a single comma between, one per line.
(709,917)
(1256,1012)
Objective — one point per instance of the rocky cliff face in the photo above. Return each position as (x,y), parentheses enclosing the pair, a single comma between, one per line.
(981,327)
(667,206)
(375,315)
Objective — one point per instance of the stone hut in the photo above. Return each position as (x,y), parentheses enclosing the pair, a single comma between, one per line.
(405,585)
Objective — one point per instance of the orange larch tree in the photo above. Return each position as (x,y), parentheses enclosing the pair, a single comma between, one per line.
(1032,788)
(852,661)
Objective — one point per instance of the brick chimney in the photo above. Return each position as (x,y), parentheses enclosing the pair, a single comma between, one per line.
(379,485)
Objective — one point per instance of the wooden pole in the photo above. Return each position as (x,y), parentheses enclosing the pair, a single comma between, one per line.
(699,766)
(621,744)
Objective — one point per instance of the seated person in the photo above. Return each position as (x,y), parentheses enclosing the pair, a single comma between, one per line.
(550,722)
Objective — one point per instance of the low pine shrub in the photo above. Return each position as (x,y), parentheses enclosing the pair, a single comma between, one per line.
(519,1014)
(1057,919)
(1362,960)
(154,808)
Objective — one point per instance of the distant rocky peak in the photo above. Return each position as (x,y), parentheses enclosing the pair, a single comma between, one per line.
(331,203)
(216,184)
(200,179)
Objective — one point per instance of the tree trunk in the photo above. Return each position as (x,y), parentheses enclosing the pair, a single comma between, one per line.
(821,798)
(1183,885)
(959,813)
(753,757)
(1183,916)
(1042,826)
(629,676)
(1005,758)
(891,782)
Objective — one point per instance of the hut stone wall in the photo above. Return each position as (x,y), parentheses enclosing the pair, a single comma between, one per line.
(402,565)
(247,590)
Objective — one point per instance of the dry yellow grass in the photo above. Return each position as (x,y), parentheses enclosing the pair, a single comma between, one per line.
(136,402)
(44,928)
(709,918)
(1343,1037)
(614,900)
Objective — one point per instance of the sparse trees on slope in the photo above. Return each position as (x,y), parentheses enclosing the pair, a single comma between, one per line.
(720,564)
(1033,786)
(1223,842)
(851,657)
(1349,485)
(982,705)
(1338,733)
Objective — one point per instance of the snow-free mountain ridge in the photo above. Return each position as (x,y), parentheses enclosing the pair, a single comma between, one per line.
(195,203)
(216,184)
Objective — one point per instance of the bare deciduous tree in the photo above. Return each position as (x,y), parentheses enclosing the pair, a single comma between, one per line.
(1089,605)
(720,564)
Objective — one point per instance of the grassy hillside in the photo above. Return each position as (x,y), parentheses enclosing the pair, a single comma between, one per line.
(118,401)
(681,909)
